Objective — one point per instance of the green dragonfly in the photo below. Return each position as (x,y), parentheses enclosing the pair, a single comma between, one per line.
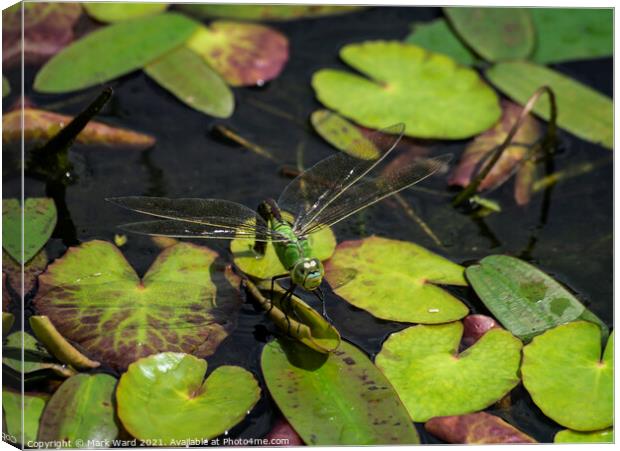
(330,191)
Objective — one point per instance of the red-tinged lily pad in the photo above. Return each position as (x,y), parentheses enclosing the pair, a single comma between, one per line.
(40,126)
(39,223)
(475,428)
(265,12)
(396,280)
(243,54)
(47,26)
(475,326)
(569,378)
(121,11)
(568,436)
(434,380)
(165,399)
(186,302)
(342,391)
(283,434)
(33,405)
(32,269)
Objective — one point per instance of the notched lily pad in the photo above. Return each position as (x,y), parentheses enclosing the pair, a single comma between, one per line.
(343,135)
(436,36)
(433,380)
(33,403)
(165,397)
(187,301)
(568,378)
(243,54)
(568,436)
(32,269)
(431,94)
(396,280)
(119,12)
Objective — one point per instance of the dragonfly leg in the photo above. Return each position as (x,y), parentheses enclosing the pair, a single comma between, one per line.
(271,292)
(286,305)
(321,297)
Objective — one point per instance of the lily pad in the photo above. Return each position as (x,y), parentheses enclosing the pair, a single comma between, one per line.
(431,94)
(436,36)
(119,12)
(33,403)
(343,391)
(32,269)
(120,48)
(36,360)
(433,380)
(186,75)
(187,301)
(582,111)
(283,432)
(265,12)
(82,409)
(39,223)
(164,399)
(496,34)
(343,135)
(396,280)
(475,428)
(568,436)
(475,326)
(568,378)
(243,54)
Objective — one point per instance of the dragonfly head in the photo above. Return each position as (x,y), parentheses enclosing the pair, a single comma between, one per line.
(308,272)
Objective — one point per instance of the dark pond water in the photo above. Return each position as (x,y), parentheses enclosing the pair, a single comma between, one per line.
(566,231)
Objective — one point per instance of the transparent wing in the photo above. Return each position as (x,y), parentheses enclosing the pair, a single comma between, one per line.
(197,218)
(315,189)
(395,177)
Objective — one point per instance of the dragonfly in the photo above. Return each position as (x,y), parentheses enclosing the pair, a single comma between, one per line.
(325,194)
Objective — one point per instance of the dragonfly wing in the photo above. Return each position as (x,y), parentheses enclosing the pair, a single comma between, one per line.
(313,190)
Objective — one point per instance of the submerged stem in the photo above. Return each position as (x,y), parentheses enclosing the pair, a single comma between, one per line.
(228,133)
(417,219)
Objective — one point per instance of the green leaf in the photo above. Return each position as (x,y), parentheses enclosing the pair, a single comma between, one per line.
(342,134)
(432,95)
(193,82)
(39,223)
(434,380)
(36,356)
(581,110)
(112,51)
(187,301)
(396,280)
(436,36)
(6,87)
(342,391)
(567,377)
(496,34)
(165,398)
(566,34)
(12,415)
(265,12)
(81,409)
(118,12)
(243,54)
(7,322)
(568,436)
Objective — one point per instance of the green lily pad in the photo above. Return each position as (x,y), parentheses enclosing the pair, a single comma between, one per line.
(342,134)
(243,54)
(6,87)
(81,409)
(36,356)
(496,34)
(567,377)
(118,12)
(265,12)
(34,403)
(342,391)
(436,36)
(186,75)
(187,301)
(431,94)
(566,34)
(434,380)
(164,399)
(568,436)
(396,280)
(581,110)
(119,48)
(39,223)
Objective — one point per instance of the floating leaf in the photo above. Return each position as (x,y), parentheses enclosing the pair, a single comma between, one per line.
(342,134)
(265,12)
(432,95)
(7,322)
(566,34)
(475,428)
(567,377)
(186,75)
(436,36)
(36,358)
(39,222)
(343,390)
(47,28)
(581,110)
(40,126)
(396,280)
(475,326)
(283,433)
(6,87)
(243,54)
(433,380)
(119,48)
(568,436)
(33,403)
(524,299)
(164,397)
(186,302)
(119,12)
(496,34)
(32,269)
(82,409)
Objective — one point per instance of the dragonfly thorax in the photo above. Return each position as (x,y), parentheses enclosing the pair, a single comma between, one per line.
(308,273)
